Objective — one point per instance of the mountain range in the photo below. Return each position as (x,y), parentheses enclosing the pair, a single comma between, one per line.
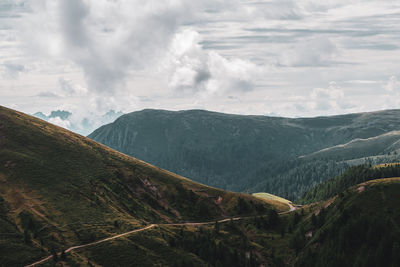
(66,200)
(283,156)
(79,125)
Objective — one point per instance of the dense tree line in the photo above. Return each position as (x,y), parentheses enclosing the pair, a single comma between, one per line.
(354,175)
(213,250)
(290,179)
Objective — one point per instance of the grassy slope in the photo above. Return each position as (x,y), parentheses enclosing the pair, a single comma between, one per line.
(57,187)
(359,148)
(274,200)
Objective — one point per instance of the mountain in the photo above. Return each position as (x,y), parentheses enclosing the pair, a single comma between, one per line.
(66,200)
(61,114)
(282,156)
(82,125)
(58,189)
(357,227)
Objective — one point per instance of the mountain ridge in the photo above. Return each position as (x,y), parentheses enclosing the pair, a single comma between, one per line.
(242,152)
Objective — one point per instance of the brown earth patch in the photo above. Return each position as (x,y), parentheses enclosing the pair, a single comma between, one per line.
(21,200)
(326,205)
(9,164)
(361,189)
(3,178)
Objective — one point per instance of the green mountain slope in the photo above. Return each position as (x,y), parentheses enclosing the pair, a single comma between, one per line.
(360,227)
(59,189)
(351,177)
(249,153)
(358,148)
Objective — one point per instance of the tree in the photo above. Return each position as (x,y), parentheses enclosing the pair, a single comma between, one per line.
(273,218)
(63,255)
(396,254)
(27,238)
(216,227)
(314,220)
(54,253)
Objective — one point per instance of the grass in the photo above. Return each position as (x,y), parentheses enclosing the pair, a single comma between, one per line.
(280,203)
(385,165)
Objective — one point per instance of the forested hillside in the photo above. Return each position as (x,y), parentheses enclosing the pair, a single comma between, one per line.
(354,175)
(254,153)
(359,227)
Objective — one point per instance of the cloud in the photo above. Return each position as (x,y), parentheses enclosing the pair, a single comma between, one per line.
(331,98)
(11,70)
(73,121)
(319,51)
(60,122)
(70,89)
(279,10)
(103,54)
(47,94)
(393,84)
(108,39)
(192,69)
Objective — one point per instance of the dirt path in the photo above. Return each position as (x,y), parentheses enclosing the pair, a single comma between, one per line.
(292,208)
(94,243)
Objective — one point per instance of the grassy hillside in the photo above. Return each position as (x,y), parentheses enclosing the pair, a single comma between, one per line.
(251,153)
(359,148)
(59,189)
(274,200)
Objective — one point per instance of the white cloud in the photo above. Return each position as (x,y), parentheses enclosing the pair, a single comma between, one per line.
(105,38)
(60,122)
(314,52)
(192,69)
(70,89)
(89,56)
(11,70)
(47,94)
(393,84)
(329,99)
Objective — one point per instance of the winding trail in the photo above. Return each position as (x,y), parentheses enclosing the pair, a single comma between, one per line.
(292,208)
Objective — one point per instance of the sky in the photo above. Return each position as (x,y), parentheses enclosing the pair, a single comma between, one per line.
(296,58)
